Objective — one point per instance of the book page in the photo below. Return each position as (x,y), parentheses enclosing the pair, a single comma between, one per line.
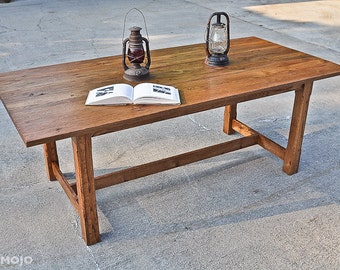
(151,93)
(115,94)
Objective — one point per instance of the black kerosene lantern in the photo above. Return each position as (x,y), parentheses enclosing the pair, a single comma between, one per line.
(217,40)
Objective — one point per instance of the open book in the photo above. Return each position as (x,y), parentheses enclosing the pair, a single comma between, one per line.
(143,93)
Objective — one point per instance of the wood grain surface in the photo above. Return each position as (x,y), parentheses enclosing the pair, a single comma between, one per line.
(47,103)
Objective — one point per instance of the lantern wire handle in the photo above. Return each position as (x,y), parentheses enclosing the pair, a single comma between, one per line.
(147,34)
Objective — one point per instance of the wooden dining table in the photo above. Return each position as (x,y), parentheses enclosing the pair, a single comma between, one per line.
(46,104)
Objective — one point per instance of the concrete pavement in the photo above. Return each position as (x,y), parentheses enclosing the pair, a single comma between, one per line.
(236,211)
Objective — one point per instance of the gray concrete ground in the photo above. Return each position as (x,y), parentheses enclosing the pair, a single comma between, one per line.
(236,211)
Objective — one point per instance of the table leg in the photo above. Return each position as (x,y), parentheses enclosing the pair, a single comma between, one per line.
(230,113)
(82,150)
(297,128)
(51,155)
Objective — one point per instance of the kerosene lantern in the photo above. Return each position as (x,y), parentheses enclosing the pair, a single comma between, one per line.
(217,40)
(136,50)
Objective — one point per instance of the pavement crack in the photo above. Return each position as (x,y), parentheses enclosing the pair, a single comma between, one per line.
(202,127)
(16,187)
(39,24)
(93,257)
